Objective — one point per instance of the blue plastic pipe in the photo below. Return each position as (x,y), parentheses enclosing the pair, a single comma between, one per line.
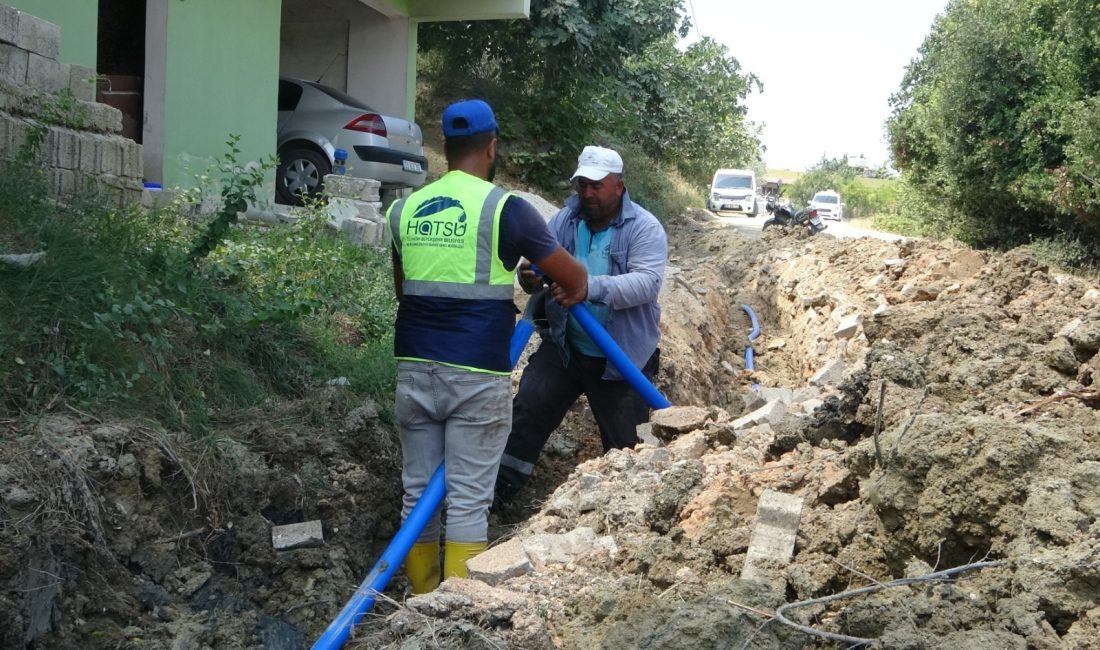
(615,355)
(755,324)
(360,603)
(363,599)
(750,354)
(520,336)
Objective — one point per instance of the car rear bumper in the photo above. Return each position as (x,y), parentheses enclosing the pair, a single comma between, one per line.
(391,167)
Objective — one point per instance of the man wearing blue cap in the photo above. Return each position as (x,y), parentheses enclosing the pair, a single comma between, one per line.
(625,249)
(456,244)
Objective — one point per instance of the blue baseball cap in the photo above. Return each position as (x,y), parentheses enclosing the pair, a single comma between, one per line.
(468,117)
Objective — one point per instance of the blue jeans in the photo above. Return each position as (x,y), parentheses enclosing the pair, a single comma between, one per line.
(460,417)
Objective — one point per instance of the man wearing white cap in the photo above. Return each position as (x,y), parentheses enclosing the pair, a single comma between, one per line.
(624,248)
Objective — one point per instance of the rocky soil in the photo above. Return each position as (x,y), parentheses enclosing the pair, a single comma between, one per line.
(930,405)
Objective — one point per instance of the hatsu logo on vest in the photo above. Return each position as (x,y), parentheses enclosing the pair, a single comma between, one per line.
(449,219)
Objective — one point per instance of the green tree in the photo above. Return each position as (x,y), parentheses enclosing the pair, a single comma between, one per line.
(596,71)
(996,120)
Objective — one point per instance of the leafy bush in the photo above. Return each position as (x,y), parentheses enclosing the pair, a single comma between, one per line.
(998,120)
(656,187)
(118,319)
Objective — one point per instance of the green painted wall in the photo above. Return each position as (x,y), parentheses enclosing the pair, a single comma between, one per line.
(79,22)
(221,78)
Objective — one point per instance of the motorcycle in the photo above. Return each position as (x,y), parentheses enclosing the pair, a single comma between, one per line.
(781,213)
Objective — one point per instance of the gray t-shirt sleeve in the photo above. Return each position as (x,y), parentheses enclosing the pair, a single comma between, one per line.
(523,233)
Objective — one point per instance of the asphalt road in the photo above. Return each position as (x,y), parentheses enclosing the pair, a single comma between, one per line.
(842,229)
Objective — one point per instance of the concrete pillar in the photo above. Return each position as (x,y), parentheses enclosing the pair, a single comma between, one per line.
(379,62)
(156,68)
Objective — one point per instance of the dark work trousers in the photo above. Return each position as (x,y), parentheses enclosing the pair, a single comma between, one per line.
(546,391)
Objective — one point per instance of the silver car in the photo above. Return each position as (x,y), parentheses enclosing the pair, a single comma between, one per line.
(316,120)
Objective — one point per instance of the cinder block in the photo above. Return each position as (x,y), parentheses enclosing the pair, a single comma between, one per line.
(350,187)
(9,24)
(304,535)
(773,537)
(13,64)
(47,75)
(67,153)
(132,163)
(82,82)
(499,563)
(372,211)
(103,118)
(65,182)
(38,36)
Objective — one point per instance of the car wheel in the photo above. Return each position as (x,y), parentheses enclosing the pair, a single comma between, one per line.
(301,172)
(755,208)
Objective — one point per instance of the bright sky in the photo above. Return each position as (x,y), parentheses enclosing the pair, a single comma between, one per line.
(828,69)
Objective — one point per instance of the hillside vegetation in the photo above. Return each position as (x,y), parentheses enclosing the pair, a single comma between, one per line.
(996,125)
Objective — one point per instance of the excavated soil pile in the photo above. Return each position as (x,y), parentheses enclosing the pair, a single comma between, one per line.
(931,407)
(121,535)
(988,450)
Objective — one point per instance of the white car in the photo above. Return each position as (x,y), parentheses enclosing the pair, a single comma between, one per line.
(316,120)
(828,205)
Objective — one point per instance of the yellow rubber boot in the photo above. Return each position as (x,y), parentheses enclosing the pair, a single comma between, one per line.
(422,566)
(455,555)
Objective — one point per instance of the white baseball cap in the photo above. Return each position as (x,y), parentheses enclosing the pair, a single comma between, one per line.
(595,163)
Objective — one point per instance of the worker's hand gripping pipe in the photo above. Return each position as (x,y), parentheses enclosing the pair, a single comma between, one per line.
(363,599)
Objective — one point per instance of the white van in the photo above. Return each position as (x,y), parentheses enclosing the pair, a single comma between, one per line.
(734,190)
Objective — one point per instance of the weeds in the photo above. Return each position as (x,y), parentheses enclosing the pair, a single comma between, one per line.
(123,316)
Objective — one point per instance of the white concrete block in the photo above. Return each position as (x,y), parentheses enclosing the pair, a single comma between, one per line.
(13,64)
(65,149)
(132,163)
(848,327)
(103,118)
(307,534)
(773,537)
(82,82)
(566,547)
(38,36)
(9,24)
(46,74)
(829,374)
(350,187)
(499,563)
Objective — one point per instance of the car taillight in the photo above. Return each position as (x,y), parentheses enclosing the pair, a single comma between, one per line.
(368,123)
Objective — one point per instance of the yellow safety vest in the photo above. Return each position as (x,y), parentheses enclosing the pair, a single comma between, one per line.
(447,234)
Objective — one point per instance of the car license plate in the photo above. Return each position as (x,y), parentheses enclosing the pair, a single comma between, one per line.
(411,166)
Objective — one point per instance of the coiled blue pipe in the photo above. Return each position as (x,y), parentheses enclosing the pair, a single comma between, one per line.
(363,600)
(360,603)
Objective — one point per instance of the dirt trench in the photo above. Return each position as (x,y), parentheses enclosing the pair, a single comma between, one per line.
(118,535)
(986,450)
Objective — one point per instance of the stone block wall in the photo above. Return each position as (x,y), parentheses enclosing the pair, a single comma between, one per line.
(355,208)
(82,150)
